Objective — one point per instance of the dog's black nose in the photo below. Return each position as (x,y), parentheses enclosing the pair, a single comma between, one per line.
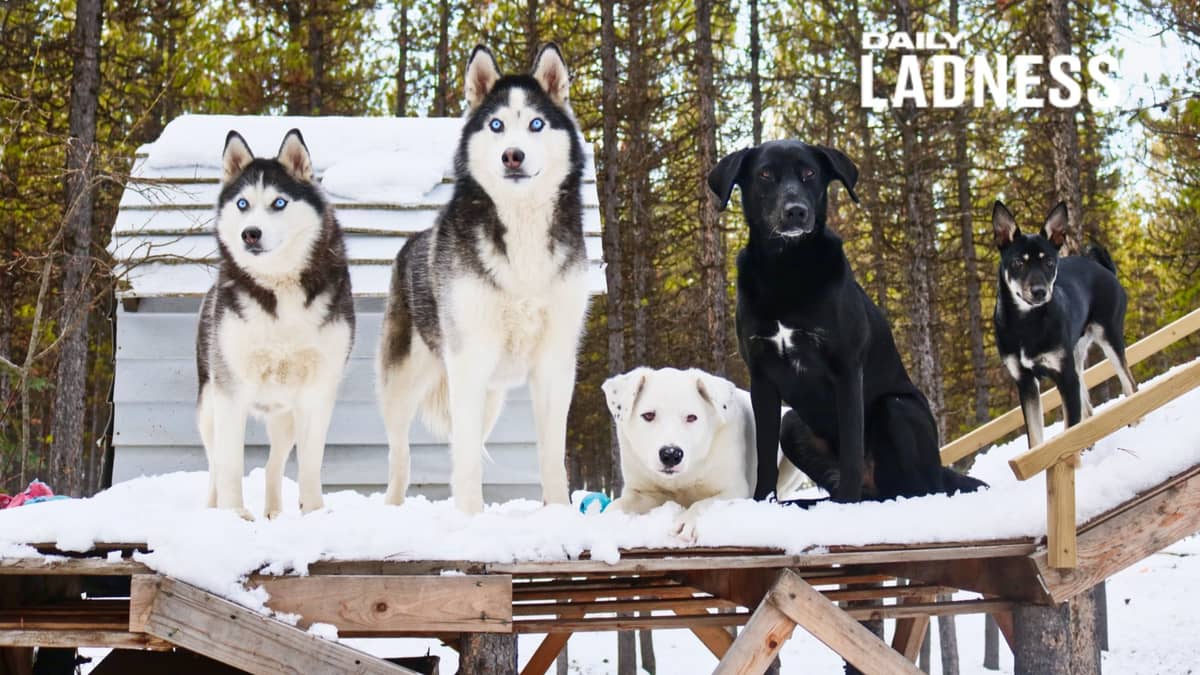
(251,235)
(1038,293)
(671,455)
(513,157)
(795,213)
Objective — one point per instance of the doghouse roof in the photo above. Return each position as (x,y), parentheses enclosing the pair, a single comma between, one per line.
(387,177)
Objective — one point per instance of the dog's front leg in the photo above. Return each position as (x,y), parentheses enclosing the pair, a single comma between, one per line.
(848,392)
(764,399)
(467,372)
(229,451)
(281,434)
(312,428)
(1031,407)
(550,387)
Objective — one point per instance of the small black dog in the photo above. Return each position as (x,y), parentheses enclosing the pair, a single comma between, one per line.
(1049,310)
(811,337)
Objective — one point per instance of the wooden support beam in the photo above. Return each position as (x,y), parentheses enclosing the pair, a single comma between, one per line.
(219,629)
(794,599)
(379,604)
(716,639)
(989,433)
(927,609)
(1014,578)
(544,656)
(627,623)
(1004,621)
(1125,537)
(1104,422)
(67,639)
(1060,514)
(646,605)
(910,631)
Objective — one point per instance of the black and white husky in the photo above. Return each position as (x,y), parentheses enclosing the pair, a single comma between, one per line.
(494,294)
(276,327)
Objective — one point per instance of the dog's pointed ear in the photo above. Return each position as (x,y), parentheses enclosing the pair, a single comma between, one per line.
(622,391)
(725,175)
(718,391)
(1055,228)
(482,75)
(293,155)
(550,70)
(1004,226)
(235,158)
(841,167)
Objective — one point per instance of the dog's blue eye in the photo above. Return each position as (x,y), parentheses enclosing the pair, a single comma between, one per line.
(279,203)
(496,125)
(537,124)
(242,204)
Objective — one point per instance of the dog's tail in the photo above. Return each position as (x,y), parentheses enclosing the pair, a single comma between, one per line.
(435,409)
(956,482)
(1100,254)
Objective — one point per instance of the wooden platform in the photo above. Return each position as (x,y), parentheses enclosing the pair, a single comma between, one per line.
(117,602)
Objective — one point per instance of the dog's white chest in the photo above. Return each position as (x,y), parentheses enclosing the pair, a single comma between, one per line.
(276,354)
(1050,360)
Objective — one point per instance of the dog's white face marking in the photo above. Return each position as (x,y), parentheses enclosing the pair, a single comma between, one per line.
(289,229)
(660,410)
(1018,293)
(519,126)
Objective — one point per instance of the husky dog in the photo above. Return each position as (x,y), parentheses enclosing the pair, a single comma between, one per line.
(276,327)
(495,293)
(1049,311)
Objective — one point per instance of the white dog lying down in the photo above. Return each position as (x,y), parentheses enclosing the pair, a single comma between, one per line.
(686,437)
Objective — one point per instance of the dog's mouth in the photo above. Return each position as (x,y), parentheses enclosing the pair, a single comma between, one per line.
(255,248)
(517,175)
(669,470)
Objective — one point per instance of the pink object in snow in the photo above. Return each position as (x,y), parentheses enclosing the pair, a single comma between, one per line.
(37,489)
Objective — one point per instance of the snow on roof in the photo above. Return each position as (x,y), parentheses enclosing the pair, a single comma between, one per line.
(216,550)
(387,177)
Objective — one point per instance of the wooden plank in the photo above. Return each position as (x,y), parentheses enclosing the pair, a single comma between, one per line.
(910,632)
(881,592)
(111,639)
(627,623)
(177,662)
(904,611)
(1103,423)
(71,567)
(661,592)
(1125,538)
(1012,420)
(834,627)
(204,623)
(1013,578)
(1060,514)
(1004,621)
(371,604)
(755,648)
(543,657)
(717,640)
(641,605)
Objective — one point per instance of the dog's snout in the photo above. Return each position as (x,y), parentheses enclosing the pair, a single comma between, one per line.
(513,157)
(1038,293)
(795,212)
(670,455)
(251,235)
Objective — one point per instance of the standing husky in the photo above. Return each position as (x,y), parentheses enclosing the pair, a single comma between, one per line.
(277,326)
(496,291)
(1049,310)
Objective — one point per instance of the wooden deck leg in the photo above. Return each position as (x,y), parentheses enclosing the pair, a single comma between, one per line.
(543,657)
(717,640)
(910,633)
(221,630)
(488,654)
(791,602)
(1060,515)
(1042,637)
(1004,621)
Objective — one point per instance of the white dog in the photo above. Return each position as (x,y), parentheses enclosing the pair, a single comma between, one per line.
(686,437)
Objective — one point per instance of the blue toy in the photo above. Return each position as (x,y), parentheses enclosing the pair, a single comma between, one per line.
(592,498)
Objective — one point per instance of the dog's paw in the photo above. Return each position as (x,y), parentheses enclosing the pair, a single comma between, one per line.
(469,505)
(393,498)
(685,526)
(313,504)
(244,513)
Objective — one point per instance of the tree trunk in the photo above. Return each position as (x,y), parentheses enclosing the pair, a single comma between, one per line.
(66,450)
(1064,137)
(295,23)
(532,40)
(441,94)
(756,99)
(488,654)
(1085,648)
(991,643)
(626,651)
(646,650)
(1042,636)
(926,654)
(316,61)
(948,641)
(611,238)
(402,69)
(640,230)
(712,244)
(922,267)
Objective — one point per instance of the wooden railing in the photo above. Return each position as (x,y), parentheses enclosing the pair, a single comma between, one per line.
(1057,455)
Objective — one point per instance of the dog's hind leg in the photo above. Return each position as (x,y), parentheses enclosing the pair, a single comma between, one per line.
(204,420)
(281,433)
(808,453)
(402,388)
(1113,345)
(1085,399)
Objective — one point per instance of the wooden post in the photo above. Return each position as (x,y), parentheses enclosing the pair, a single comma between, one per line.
(488,654)
(1043,635)
(1060,515)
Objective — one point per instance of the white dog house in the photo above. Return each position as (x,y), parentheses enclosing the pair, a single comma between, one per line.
(387,178)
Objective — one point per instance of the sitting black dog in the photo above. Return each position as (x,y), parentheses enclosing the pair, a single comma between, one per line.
(812,338)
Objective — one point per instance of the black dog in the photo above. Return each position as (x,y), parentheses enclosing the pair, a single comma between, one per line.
(1050,310)
(812,338)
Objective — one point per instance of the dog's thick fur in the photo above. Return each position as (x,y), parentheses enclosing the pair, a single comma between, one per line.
(812,338)
(495,293)
(1050,310)
(277,326)
(687,437)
